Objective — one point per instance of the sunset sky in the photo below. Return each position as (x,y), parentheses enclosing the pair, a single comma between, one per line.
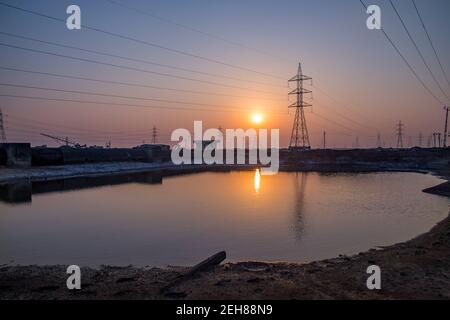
(245,53)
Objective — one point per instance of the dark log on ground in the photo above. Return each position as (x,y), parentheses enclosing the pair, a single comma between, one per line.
(202,266)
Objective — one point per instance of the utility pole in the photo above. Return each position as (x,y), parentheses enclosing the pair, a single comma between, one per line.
(299,135)
(357,142)
(154,134)
(434,139)
(446,126)
(400,128)
(379,143)
(2,128)
(420,139)
(410,142)
(439,138)
(324,140)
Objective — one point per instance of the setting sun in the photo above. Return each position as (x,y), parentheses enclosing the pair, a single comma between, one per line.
(257,118)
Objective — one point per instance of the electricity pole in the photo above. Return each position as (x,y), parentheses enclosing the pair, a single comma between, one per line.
(379,143)
(446,126)
(154,134)
(2,128)
(324,140)
(299,135)
(400,128)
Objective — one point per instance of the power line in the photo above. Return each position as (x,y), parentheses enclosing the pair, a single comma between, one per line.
(194,30)
(42,124)
(418,50)
(79,131)
(431,43)
(151,44)
(136,40)
(127,68)
(208,34)
(132,59)
(343,105)
(347,118)
(333,121)
(137,85)
(406,62)
(115,104)
(123,97)
(90,79)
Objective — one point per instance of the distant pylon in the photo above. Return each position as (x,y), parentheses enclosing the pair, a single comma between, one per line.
(379,142)
(2,128)
(400,128)
(154,134)
(299,135)
(420,139)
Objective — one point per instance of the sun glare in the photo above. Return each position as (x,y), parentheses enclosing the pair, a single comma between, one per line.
(257,118)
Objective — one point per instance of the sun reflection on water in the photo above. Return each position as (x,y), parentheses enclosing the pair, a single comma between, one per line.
(257,181)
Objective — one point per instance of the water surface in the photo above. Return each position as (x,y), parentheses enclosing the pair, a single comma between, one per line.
(148,220)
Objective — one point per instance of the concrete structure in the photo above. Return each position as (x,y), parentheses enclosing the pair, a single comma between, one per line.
(71,155)
(15,154)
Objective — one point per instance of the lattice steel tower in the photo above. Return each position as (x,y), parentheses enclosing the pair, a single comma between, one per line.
(299,135)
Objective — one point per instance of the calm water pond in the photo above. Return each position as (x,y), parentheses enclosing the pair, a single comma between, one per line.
(180,220)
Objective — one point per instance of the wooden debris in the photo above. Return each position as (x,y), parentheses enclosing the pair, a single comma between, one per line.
(202,266)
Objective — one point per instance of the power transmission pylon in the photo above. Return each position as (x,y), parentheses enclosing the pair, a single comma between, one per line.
(446,126)
(420,139)
(299,135)
(154,134)
(400,128)
(2,128)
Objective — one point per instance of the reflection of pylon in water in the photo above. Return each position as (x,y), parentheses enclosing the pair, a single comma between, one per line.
(299,195)
(2,128)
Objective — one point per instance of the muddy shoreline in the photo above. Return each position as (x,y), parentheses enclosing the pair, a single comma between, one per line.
(416,269)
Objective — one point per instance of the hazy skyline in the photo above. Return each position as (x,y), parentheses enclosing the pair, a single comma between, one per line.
(348,62)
